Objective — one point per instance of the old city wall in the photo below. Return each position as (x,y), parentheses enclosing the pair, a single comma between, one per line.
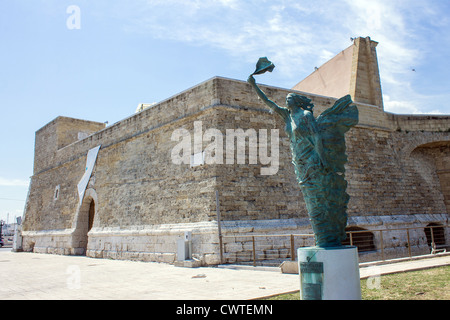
(132,151)
(135,182)
(144,202)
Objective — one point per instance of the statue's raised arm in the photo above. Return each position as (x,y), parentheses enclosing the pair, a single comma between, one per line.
(283,112)
(263,65)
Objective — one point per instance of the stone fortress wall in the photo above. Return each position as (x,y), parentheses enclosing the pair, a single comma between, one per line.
(138,203)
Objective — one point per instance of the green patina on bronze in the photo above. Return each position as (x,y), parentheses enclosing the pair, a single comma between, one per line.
(318,154)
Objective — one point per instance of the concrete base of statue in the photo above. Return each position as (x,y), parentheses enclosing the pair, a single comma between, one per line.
(329,273)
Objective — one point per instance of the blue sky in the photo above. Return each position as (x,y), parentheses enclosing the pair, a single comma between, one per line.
(142,51)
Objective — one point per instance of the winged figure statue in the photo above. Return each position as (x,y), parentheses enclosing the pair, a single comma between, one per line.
(318,155)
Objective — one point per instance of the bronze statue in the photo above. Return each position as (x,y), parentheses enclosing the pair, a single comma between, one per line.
(318,155)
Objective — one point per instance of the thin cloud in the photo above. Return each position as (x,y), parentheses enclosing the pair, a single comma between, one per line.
(13,182)
(298,36)
(244,29)
(405,107)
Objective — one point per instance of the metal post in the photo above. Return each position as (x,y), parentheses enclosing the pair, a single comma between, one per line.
(351,238)
(292,248)
(433,245)
(254,252)
(409,244)
(382,245)
(219,227)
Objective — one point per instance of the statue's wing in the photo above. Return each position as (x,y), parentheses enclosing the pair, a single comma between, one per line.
(333,123)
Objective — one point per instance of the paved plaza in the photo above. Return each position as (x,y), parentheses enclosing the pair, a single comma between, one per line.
(46,276)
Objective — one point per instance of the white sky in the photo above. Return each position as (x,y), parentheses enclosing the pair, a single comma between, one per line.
(142,51)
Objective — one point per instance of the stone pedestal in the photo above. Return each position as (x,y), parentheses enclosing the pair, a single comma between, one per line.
(329,273)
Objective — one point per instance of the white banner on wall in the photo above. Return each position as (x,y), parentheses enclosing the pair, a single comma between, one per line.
(90,163)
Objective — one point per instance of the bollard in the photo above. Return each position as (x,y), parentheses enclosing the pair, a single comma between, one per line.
(184,247)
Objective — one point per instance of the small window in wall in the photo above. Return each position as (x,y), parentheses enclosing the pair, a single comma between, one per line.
(359,237)
(56,193)
(435,234)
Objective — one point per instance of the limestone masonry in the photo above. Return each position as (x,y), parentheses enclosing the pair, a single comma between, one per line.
(138,202)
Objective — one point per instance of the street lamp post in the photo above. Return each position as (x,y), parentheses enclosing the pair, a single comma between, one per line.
(2,223)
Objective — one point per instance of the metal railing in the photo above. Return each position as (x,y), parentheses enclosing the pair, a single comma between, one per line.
(380,244)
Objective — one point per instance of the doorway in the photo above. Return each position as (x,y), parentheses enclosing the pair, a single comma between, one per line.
(84,222)
(91,215)
(435,235)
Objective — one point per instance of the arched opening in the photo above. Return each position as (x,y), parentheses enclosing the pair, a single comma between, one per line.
(84,222)
(435,236)
(359,237)
(432,164)
(91,215)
